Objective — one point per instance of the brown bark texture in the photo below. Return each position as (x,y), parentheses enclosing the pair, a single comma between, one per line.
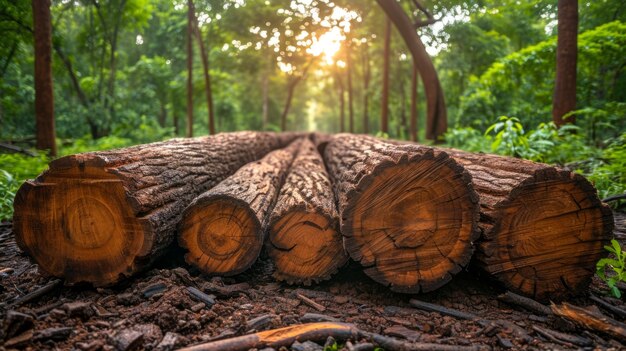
(408,213)
(100,216)
(566,57)
(223,229)
(44,98)
(543,228)
(436,120)
(304,241)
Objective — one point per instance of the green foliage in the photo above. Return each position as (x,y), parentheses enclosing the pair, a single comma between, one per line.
(616,266)
(467,138)
(608,172)
(522,83)
(509,138)
(8,187)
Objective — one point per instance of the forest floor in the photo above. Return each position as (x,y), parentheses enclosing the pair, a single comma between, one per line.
(157,311)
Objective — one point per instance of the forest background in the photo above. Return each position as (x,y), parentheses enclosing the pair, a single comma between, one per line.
(120,77)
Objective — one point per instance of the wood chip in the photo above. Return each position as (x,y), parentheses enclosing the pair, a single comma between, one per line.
(196,294)
(311,303)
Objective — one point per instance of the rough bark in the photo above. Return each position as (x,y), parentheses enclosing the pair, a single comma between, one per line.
(44,99)
(97,217)
(304,241)
(408,213)
(543,228)
(384,117)
(223,229)
(436,121)
(566,55)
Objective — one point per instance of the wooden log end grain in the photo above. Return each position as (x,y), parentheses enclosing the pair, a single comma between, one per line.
(304,241)
(544,237)
(101,216)
(408,213)
(223,229)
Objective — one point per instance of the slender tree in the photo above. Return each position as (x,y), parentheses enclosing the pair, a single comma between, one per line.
(349,80)
(367,75)
(205,67)
(414,107)
(190,18)
(342,99)
(436,121)
(44,98)
(291,88)
(566,60)
(384,118)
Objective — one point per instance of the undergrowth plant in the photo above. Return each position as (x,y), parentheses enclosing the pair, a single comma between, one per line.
(616,267)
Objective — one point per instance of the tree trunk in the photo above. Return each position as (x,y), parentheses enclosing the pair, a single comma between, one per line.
(566,56)
(205,68)
(414,106)
(543,228)
(384,119)
(175,119)
(100,216)
(366,87)
(44,97)
(436,121)
(349,78)
(304,241)
(162,114)
(266,93)
(223,229)
(290,90)
(342,100)
(408,213)
(189,69)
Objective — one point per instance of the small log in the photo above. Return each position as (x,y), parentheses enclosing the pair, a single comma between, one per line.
(619,312)
(303,239)
(544,228)
(592,319)
(223,229)
(408,213)
(100,216)
(525,302)
(277,338)
(562,338)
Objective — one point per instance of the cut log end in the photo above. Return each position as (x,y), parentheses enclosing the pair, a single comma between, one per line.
(413,223)
(306,247)
(551,232)
(222,236)
(84,228)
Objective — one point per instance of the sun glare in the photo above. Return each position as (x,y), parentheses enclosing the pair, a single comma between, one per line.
(327,45)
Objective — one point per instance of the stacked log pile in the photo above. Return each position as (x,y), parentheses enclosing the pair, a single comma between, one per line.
(543,228)
(410,214)
(100,216)
(304,241)
(223,229)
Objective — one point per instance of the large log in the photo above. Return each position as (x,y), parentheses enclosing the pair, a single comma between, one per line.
(100,216)
(543,228)
(408,213)
(303,240)
(223,229)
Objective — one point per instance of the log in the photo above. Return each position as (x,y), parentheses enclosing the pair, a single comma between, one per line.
(283,337)
(223,229)
(304,241)
(592,319)
(407,213)
(100,216)
(543,228)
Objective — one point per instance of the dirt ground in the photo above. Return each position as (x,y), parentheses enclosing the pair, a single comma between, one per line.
(160,310)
